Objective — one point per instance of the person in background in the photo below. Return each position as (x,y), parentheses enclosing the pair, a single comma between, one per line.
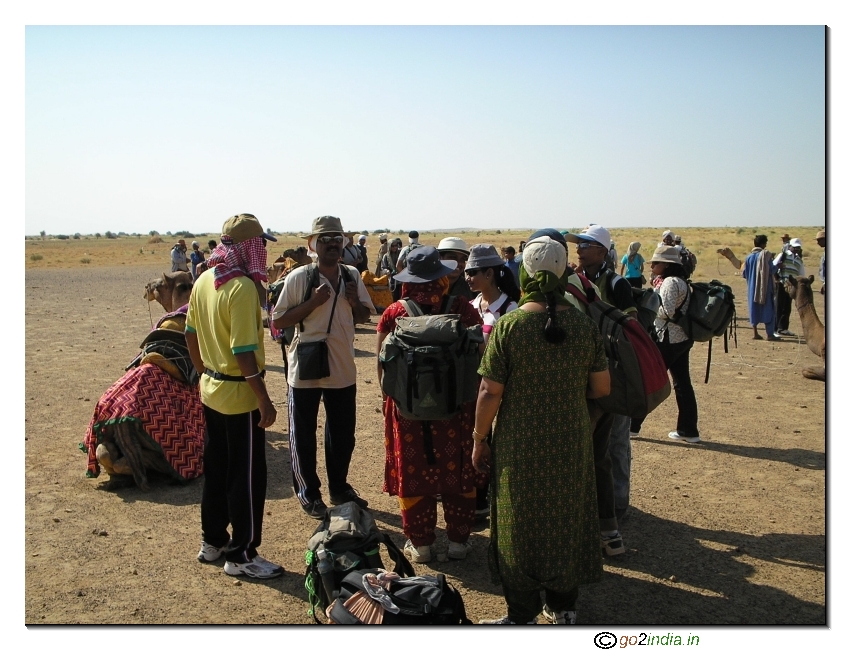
(612,255)
(412,244)
(631,266)
(543,361)
(336,305)
(758,271)
(512,262)
(455,249)
(426,460)
(673,343)
(224,333)
(364,259)
(179,261)
(786,242)
(211,244)
(821,240)
(611,445)
(196,258)
(350,252)
(787,264)
(381,252)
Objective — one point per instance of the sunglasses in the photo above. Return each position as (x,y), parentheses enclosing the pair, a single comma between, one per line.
(472,272)
(584,245)
(329,239)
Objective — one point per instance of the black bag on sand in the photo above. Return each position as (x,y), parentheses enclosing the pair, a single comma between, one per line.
(424,600)
(347,539)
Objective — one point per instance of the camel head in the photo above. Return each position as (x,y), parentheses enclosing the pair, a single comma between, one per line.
(171,290)
(801,286)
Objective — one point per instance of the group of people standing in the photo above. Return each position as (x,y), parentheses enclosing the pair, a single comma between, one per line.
(534,441)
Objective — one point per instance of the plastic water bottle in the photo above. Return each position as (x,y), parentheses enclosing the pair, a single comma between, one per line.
(326,571)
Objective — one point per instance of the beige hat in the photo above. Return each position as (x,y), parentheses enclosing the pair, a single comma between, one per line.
(666,254)
(326,225)
(544,253)
(455,244)
(243,227)
(821,234)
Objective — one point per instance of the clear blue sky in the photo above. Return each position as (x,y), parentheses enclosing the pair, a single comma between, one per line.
(177,128)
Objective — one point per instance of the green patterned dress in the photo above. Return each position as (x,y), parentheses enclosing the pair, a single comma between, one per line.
(544,530)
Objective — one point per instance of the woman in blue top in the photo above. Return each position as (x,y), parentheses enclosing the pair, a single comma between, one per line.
(631,266)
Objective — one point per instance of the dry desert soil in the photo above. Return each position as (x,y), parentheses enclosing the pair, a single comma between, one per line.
(728,532)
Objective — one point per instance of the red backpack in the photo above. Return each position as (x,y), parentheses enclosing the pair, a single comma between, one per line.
(639,380)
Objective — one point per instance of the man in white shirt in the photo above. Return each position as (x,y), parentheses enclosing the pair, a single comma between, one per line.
(321,365)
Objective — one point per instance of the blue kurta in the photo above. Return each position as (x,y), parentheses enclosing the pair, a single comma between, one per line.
(758,312)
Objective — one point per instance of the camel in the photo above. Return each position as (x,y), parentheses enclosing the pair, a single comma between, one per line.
(171,290)
(726,252)
(800,290)
(287,262)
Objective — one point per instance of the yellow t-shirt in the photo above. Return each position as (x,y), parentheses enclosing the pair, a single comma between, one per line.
(227,321)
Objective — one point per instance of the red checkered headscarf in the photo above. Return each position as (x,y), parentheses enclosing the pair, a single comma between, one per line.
(230,260)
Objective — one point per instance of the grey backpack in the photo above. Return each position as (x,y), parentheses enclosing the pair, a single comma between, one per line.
(430,363)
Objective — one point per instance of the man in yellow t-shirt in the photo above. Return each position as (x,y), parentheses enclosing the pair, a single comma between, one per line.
(224,333)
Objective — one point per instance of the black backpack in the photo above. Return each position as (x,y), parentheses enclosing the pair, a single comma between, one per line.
(350,540)
(424,600)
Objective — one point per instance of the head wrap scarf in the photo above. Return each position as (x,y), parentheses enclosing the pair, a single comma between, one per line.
(426,293)
(245,259)
(634,246)
(535,287)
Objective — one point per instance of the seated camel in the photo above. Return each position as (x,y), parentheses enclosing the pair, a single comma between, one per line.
(800,290)
(171,290)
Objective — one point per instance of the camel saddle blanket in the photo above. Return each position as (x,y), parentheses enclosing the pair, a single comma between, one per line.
(169,410)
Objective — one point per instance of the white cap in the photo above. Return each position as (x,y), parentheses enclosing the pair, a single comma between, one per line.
(453,243)
(544,253)
(594,233)
(667,233)
(795,243)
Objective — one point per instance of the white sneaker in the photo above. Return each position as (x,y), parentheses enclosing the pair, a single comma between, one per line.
(558,617)
(209,553)
(458,550)
(420,554)
(261,569)
(682,438)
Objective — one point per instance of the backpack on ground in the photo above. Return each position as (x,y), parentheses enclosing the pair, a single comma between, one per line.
(710,313)
(346,540)
(428,599)
(430,363)
(639,380)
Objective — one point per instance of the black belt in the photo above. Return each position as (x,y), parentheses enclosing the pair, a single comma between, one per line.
(218,376)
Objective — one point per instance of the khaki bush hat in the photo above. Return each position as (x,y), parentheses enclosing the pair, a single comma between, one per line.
(483,255)
(667,254)
(243,227)
(544,253)
(326,225)
(821,235)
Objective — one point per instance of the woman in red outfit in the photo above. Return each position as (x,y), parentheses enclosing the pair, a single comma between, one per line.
(408,473)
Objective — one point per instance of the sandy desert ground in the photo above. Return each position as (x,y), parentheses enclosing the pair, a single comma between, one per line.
(729,532)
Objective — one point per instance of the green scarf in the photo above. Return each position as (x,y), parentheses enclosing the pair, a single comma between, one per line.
(534,288)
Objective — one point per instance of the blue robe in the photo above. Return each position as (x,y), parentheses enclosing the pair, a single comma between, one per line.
(758,312)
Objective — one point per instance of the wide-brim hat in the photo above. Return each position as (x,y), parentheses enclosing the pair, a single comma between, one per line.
(483,255)
(424,265)
(821,234)
(595,234)
(326,225)
(667,254)
(455,244)
(243,227)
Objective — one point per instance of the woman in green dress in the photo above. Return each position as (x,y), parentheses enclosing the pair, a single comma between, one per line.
(543,361)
